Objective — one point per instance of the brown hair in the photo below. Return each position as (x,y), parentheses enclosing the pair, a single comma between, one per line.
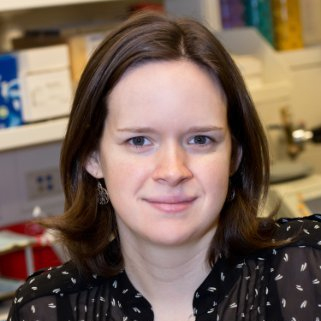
(86,227)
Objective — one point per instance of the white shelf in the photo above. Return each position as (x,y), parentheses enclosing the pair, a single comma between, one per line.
(12,5)
(275,76)
(308,57)
(34,134)
(52,130)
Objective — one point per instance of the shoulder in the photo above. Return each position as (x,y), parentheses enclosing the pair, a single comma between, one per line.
(302,231)
(56,293)
(293,271)
(64,279)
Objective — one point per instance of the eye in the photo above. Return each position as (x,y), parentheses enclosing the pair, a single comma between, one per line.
(139,141)
(200,140)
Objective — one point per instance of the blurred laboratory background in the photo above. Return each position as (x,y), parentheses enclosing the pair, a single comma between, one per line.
(44,46)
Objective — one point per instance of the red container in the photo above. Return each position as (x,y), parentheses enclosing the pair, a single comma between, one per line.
(13,264)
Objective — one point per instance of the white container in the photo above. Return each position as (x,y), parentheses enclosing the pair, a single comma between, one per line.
(45,82)
(311,21)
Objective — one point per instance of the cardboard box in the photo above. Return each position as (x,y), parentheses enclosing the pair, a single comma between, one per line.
(81,47)
(46,87)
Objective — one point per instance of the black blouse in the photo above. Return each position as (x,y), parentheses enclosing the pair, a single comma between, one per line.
(271,285)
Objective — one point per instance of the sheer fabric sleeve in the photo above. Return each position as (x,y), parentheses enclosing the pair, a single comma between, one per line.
(44,308)
(296,270)
(298,283)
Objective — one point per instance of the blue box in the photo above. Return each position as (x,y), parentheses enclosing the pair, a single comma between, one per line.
(10,96)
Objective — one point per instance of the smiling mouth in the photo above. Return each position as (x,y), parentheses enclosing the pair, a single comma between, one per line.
(171,206)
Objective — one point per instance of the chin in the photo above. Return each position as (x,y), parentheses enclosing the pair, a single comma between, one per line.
(173,238)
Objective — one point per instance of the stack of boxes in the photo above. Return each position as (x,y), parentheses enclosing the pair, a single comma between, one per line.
(35,85)
(38,83)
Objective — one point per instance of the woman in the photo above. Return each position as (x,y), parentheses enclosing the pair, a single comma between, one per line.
(165,165)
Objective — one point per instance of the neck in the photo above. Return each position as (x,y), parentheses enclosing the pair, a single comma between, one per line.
(167,275)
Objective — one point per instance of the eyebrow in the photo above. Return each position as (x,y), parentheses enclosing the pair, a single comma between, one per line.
(198,129)
(204,129)
(136,129)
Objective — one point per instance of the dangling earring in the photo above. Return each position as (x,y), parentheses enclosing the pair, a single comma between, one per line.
(231,192)
(231,195)
(102,197)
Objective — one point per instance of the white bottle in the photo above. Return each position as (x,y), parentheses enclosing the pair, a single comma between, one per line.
(311,21)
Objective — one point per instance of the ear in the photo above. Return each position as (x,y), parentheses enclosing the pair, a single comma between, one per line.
(93,166)
(236,159)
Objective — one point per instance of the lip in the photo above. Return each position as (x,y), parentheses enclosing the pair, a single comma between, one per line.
(172,204)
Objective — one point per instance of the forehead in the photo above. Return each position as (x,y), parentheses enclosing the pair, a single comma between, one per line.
(164,78)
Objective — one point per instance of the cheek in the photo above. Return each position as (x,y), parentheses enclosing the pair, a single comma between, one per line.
(123,175)
(215,175)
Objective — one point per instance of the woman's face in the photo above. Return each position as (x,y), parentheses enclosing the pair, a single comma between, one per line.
(165,153)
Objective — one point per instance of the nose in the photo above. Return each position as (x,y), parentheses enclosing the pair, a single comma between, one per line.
(171,165)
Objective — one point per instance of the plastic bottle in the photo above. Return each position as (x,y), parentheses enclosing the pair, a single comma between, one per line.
(311,21)
(287,24)
(258,13)
(232,13)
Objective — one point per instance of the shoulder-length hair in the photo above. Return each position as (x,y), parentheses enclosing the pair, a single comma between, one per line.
(86,227)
